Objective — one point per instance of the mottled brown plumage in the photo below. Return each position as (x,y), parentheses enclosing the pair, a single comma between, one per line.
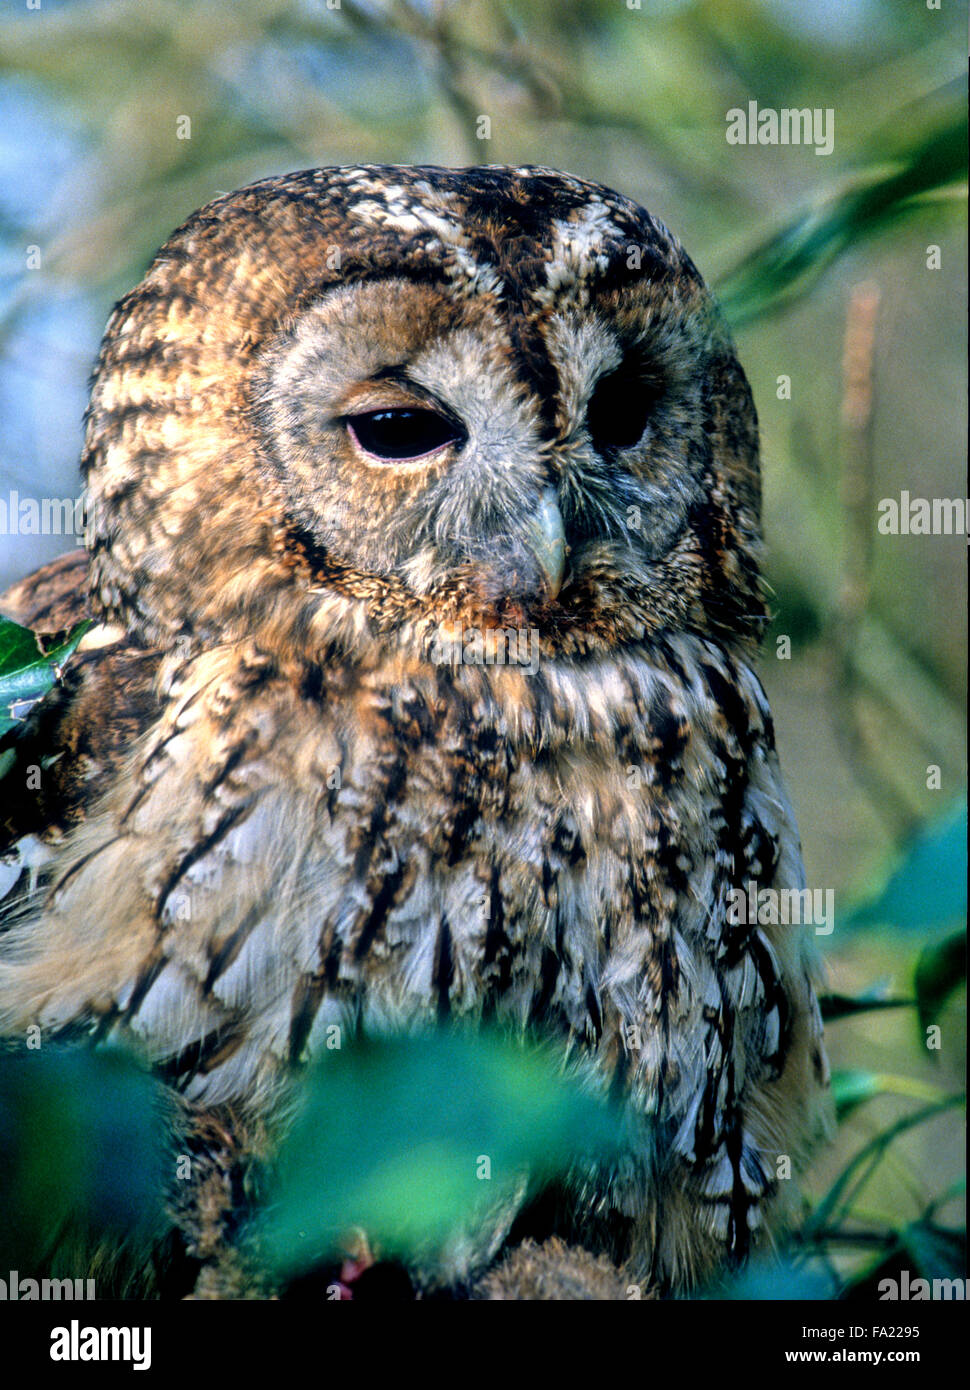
(316,801)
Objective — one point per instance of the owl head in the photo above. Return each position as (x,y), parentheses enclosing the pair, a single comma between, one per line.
(352,409)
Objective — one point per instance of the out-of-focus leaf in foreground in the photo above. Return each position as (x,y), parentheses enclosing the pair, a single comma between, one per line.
(81,1146)
(770,1278)
(410,1137)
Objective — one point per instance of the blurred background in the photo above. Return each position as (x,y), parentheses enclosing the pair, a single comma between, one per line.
(843,276)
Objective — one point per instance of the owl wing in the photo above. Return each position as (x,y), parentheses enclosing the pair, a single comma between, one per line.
(161,851)
(73,741)
(754,1101)
(52,597)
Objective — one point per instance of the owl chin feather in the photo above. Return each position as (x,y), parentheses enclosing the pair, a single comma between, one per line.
(470,735)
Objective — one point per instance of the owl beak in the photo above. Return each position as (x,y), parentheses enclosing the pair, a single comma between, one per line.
(546,539)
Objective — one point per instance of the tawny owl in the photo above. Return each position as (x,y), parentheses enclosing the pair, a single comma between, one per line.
(423,538)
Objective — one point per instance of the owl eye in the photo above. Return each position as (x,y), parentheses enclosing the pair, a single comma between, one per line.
(619,409)
(401,434)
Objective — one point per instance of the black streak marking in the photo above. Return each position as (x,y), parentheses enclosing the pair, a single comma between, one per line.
(307,997)
(444,968)
(381,906)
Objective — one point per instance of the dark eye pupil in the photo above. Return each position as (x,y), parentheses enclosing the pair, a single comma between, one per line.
(401,434)
(619,409)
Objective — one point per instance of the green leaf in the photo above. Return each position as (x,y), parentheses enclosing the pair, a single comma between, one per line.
(850,1089)
(928,156)
(871,1154)
(940,969)
(957,1188)
(81,1145)
(30,664)
(393,1135)
(937,1253)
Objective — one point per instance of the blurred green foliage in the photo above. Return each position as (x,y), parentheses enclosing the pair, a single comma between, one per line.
(415,1138)
(82,1144)
(927,888)
(870,707)
(927,159)
(940,970)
